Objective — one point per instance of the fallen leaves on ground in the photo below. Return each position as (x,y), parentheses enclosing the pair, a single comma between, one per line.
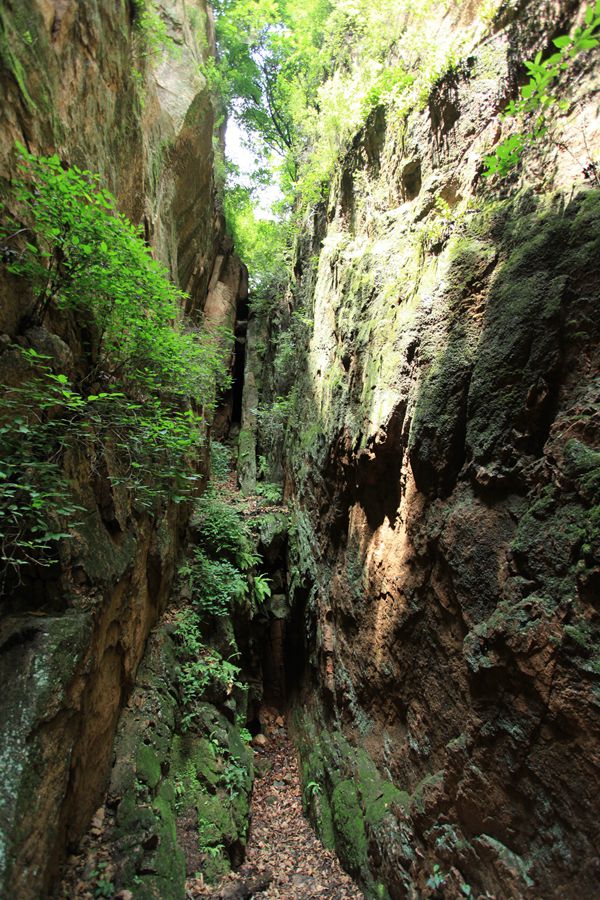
(283,849)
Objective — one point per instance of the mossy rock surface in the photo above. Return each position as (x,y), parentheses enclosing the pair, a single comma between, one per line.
(163,775)
(353,807)
(349,828)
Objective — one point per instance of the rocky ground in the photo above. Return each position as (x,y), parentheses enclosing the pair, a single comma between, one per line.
(284,859)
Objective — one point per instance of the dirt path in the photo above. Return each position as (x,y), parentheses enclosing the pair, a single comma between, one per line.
(285,859)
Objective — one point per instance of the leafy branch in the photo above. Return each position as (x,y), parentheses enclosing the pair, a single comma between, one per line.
(537,97)
(151,376)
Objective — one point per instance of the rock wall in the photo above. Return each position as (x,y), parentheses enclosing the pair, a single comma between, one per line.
(79,79)
(442,459)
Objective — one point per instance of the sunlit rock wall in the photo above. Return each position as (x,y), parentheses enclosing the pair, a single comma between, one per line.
(442,456)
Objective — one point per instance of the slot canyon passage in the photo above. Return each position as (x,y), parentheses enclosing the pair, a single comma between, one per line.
(300,470)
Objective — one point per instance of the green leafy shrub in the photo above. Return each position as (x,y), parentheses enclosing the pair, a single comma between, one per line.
(152,446)
(151,377)
(85,256)
(201,667)
(223,531)
(271,492)
(152,29)
(313,789)
(215,584)
(244,734)
(273,419)
(219,571)
(220,461)
(261,588)
(234,777)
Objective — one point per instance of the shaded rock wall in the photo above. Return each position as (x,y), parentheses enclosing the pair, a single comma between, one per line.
(442,456)
(166,805)
(77,79)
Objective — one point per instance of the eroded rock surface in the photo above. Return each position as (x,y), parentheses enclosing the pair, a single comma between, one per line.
(77,80)
(442,458)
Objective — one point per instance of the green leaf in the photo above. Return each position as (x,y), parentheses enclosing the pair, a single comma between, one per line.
(562,41)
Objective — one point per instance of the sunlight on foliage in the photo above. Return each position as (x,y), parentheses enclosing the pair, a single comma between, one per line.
(262,243)
(85,256)
(301,78)
(537,99)
(152,29)
(152,377)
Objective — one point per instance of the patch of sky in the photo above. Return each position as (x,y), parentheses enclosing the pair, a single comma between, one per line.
(248,169)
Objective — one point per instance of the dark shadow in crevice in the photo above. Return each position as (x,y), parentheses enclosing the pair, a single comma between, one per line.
(295,648)
(239,360)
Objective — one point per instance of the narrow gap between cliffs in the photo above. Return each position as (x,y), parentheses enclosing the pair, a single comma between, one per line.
(284,858)
(206,795)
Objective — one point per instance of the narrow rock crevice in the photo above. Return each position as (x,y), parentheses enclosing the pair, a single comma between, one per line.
(299,566)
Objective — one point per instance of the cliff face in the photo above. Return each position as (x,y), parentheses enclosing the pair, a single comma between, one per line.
(442,456)
(88,82)
(82,80)
(440,459)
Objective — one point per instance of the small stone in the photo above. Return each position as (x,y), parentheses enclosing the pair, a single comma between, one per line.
(259,740)
(98,820)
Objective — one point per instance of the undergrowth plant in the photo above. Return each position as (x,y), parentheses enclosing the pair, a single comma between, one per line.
(220,461)
(81,254)
(223,531)
(215,585)
(220,575)
(220,571)
(271,492)
(137,414)
(200,667)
